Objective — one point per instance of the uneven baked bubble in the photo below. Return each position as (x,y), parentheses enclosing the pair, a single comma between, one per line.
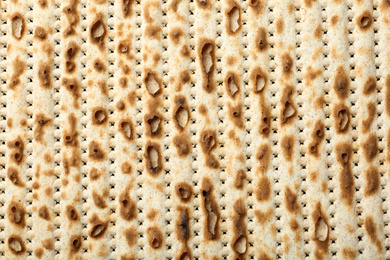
(233,17)
(155,237)
(206,54)
(342,119)
(152,83)
(98,227)
(98,31)
(364,21)
(181,114)
(18,25)
(261,39)
(210,210)
(183,191)
(127,206)
(232,84)
(153,158)
(153,124)
(16,245)
(126,128)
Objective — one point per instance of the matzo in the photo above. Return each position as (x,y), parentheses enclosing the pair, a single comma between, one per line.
(194,129)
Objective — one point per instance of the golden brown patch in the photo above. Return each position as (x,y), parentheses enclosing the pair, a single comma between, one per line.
(43,212)
(334,20)
(182,225)
(287,64)
(48,244)
(13,176)
(321,230)
(372,181)
(311,74)
(291,200)
(279,24)
(38,252)
(235,114)
(152,214)
(309,3)
(264,216)
(239,180)
(18,67)
(182,144)
(96,153)
(263,155)
(127,8)
(318,136)
(370,147)
(75,242)
(208,142)
(98,199)
(127,206)
(261,39)
(371,229)
(71,213)
(73,86)
(318,32)
(287,146)
(204,4)
(341,83)
(40,33)
(240,238)
(343,155)
(131,236)
(16,155)
(175,35)
(366,123)
(232,84)
(259,80)
(18,25)
(263,191)
(153,32)
(369,86)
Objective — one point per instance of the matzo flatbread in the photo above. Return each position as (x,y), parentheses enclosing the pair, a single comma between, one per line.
(194,129)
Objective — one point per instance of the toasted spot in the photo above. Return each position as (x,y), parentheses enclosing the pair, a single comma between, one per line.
(341,83)
(40,33)
(210,210)
(155,237)
(71,213)
(175,35)
(364,21)
(233,17)
(371,110)
(153,158)
(18,67)
(318,136)
(43,212)
(73,86)
(131,236)
(99,66)
(370,147)
(48,244)
(127,206)
(204,4)
(264,216)
(75,242)
(287,64)
(261,39)
(95,151)
(153,32)
(263,155)
(206,53)
(126,128)
(127,8)
(235,114)
(369,86)
(372,181)
(343,153)
(348,252)
(309,3)
(185,51)
(126,168)
(371,229)
(287,145)
(182,144)
(291,200)
(16,245)
(279,24)
(44,75)
(18,25)
(318,32)
(341,116)
(239,180)
(263,191)
(38,252)
(98,200)
(183,191)
(311,74)
(334,20)
(98,227)
(42,122)
(123,82)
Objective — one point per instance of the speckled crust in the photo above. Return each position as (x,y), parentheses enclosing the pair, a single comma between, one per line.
(201,129)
